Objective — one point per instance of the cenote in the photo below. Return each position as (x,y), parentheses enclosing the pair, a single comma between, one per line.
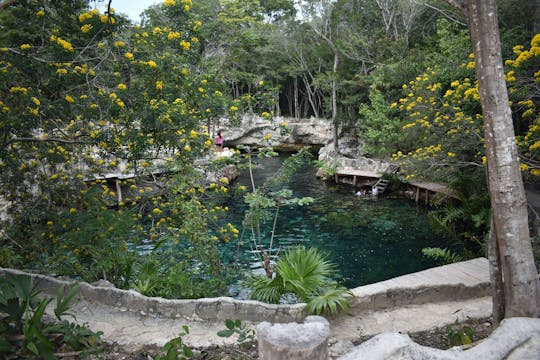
(367,240)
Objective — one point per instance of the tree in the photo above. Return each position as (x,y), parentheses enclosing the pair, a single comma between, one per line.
(512,250)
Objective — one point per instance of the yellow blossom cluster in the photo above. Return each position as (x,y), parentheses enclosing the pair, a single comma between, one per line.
(66,45)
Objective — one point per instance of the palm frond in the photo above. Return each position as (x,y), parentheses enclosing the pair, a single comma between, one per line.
(331,300)
(265,289)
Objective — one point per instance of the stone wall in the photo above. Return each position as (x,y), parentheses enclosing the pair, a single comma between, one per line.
(220,308)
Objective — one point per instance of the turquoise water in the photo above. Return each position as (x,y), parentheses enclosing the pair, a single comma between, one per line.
(369,241)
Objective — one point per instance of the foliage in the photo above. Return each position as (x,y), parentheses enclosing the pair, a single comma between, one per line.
(245,334)
(86,96)
(459,335)
(176,349)
(329,167)
(305,274)
(23,332)
(442,256)
(444,116)
(379,127)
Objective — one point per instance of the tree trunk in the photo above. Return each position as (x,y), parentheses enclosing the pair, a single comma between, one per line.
(495,274)
(507,193)
(296,106)
(334,99)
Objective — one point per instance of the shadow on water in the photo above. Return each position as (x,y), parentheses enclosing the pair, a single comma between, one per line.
(369,241)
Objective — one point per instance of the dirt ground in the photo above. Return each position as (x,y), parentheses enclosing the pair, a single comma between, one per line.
(436,338)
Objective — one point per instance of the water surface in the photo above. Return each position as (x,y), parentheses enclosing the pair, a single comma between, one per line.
(368,240)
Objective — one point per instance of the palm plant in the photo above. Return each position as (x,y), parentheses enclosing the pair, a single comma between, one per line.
(306,274)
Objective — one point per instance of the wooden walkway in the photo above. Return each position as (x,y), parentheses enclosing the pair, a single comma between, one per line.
(419,186)
(356,174)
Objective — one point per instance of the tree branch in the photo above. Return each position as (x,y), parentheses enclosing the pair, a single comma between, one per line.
(33,139)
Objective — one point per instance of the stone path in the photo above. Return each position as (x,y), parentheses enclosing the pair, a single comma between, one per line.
(398,305)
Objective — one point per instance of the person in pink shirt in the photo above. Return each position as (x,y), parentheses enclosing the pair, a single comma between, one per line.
(218,142)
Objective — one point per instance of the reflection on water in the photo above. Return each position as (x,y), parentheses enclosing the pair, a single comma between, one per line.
(368,241)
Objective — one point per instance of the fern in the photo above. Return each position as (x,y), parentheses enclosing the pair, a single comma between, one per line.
(442,256)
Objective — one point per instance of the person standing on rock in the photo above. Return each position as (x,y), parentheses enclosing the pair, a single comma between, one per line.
(218,142)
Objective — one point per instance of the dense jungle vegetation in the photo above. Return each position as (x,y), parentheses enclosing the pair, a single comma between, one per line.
(84,94)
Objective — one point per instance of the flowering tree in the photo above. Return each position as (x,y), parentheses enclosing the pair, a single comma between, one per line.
(510,247)
(86,96)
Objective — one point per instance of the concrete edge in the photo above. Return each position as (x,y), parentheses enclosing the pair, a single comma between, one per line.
(410,289)
(220,308)
(393,293)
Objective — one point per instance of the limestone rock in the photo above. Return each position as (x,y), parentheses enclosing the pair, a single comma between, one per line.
(285,133)
(307,341)
(516,338)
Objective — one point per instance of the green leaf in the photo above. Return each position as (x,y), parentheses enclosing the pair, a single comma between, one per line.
(63,303)
(32,347)
(225,333)
(187,351)
(229,324)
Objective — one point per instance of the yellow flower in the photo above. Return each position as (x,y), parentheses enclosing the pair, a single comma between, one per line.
(106,19)
(184,72)
(86,28)
(15,89)
(129,55)
(69,99)
(40,13)
(25,46)
(234,108)
(119,43)
(159,85)
(122,87)
(186,8)
(185,45)
(36,101)
(65,44)
(261,83)
(152,63)
(85,16)
(169,2)
(173,35)
(61,71)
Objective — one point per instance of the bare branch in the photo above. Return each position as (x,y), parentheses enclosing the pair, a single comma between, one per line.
(447,14)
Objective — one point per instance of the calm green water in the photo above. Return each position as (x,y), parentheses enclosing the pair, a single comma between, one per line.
(369,241)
